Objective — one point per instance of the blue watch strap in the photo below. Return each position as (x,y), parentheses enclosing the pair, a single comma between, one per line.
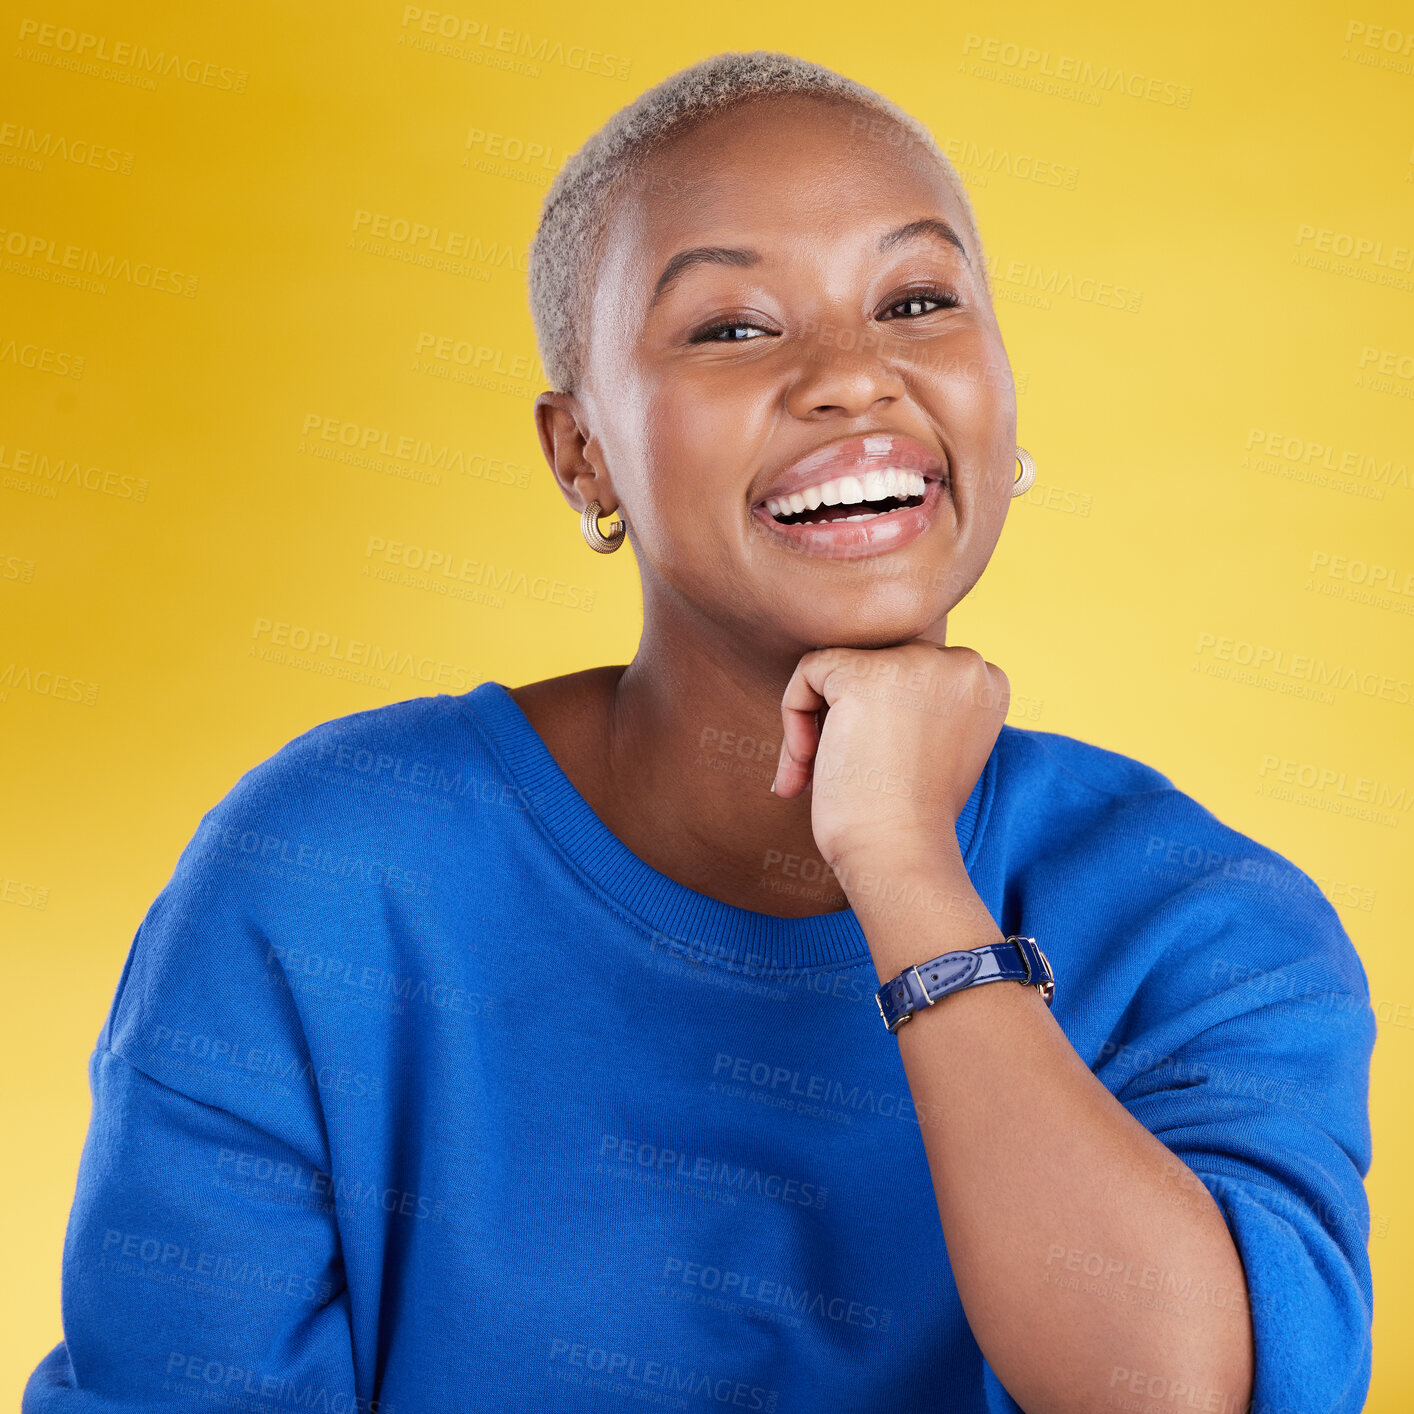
(1018,959)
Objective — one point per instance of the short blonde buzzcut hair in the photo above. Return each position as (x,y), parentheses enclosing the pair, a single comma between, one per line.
(564,256)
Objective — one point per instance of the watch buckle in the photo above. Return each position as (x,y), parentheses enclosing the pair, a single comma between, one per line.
(907,1016)
(1047,989)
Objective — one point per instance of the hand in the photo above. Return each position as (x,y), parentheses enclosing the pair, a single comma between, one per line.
(905,735)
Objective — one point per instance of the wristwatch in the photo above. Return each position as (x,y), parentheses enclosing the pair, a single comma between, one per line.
(1018,959)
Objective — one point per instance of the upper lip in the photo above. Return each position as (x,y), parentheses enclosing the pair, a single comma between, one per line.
(853,456)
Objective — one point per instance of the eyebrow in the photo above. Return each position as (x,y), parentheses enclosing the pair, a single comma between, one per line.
(740,257)
(929,226)
(700,255)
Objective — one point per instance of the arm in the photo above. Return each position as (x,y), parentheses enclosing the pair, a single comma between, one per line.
(202,1259)
(1215,1155)
(1016,1126)
(197,1263)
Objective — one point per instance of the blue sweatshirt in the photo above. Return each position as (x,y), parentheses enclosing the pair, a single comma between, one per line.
(420,1092)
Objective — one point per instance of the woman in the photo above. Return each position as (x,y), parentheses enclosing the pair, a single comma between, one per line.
(622,1037)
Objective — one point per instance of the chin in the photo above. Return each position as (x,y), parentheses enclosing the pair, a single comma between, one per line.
(842,621)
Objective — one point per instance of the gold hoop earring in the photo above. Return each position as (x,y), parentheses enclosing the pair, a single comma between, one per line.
(589,526)
(1022,484)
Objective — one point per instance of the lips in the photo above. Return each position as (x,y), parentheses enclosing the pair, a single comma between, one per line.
(863,496)
(854,457)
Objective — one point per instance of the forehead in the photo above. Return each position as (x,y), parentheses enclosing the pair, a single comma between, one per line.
(769,170)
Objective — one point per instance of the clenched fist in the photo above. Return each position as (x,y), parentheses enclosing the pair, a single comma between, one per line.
(890,742)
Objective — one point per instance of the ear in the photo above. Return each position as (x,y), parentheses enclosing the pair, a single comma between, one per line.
(573,455)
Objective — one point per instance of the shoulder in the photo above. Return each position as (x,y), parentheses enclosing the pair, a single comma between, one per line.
(287,852)
(1059,788)
(1121,837)
(319,843)
(1058,758)
(402,741)
(394,768)
(1065,785)
(355,808)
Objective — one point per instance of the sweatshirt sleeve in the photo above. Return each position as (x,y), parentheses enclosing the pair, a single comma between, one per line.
(1248,1056)
(202,1257)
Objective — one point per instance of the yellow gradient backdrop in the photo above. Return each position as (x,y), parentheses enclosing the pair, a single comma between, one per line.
(265,354)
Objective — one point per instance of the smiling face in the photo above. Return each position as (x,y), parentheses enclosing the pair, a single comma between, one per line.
(790,327)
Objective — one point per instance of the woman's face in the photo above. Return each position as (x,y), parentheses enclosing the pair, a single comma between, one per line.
(790,303)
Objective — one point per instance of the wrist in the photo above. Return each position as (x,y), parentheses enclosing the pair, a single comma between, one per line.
(912,911)
(885,864)
(922,985)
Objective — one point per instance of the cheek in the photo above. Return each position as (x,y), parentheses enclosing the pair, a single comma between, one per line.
(970,379)
(701,435)
(968,391)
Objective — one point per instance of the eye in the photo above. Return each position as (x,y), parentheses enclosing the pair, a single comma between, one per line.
(730,331)
(919,302)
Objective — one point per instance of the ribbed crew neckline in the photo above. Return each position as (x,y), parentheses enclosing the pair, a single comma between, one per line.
(689,921)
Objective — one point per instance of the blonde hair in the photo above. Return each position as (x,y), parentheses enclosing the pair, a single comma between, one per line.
(564,255)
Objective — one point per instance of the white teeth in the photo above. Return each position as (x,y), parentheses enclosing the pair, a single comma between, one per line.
(879,485)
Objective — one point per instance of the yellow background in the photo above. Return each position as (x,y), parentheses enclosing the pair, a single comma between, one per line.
(1179,443)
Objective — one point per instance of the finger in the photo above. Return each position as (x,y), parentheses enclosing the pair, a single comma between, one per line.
(806,695)
(800,739)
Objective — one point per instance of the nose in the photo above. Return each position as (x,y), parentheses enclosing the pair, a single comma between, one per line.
(838,381)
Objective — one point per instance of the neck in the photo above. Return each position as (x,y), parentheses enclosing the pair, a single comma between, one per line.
(694,734)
